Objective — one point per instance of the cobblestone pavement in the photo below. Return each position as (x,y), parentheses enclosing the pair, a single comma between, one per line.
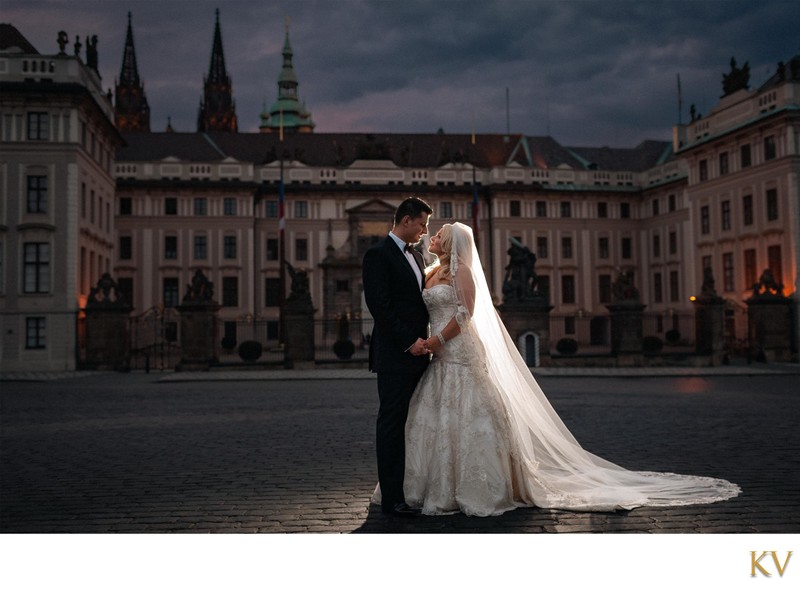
(136,453)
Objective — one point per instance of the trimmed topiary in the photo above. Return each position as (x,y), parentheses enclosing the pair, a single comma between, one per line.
(250,350)
(567,346)
(652,345)
(344,348)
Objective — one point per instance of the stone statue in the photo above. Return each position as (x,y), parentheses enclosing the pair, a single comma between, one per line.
(623,288)
(767,285)
(707,289)
(736,79)
(200,291)
(299,292)
(106,293)
(521,281)
(91,53)
(62,41)
(78,46)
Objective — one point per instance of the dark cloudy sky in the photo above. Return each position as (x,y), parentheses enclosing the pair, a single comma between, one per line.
(587,72)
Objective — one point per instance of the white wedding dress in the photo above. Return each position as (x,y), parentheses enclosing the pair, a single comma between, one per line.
(482,438)
(458,435)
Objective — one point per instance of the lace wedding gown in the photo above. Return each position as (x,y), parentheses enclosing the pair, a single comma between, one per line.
(467,451)
(458,435)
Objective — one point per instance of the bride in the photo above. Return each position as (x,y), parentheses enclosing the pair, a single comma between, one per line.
(481,436)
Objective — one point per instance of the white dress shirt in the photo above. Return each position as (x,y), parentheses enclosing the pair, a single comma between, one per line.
(409,256)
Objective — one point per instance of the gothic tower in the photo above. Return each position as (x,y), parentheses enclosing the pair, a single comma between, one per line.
(217,109)
(131,111)
(288,111)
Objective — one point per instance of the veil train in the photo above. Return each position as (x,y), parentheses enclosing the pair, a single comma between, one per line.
(551,469)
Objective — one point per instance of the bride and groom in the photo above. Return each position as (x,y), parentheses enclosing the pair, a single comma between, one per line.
(469,429)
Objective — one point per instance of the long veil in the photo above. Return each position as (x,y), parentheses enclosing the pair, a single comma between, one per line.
(551,469)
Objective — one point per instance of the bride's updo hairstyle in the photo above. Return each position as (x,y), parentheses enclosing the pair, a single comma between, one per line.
(445,244)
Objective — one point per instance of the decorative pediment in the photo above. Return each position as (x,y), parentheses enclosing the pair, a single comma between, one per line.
(374,206)
(521,155)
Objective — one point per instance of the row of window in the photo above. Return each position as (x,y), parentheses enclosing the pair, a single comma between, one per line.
(673,244)
(603,247)
(445,208)
(170,291)
(671,205)
(37,267)
(230,284)
(565,208)
(772,212)
(95,209)
(93,206)
(745,159)
(605,290)
(229,207)
(39,128)
(229,248)
(751,272)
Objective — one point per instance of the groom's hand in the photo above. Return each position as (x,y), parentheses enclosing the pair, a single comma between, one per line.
(418,348)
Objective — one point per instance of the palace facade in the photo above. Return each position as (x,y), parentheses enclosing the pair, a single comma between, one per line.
(57,198)
(723,194)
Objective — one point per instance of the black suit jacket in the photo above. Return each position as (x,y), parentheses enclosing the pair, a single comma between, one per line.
(394,298)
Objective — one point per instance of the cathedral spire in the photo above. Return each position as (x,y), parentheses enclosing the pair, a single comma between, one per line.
(216,72)
(131,111)
(217,109)
(287,112)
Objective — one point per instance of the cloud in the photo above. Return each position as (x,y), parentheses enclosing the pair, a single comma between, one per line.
(591,72)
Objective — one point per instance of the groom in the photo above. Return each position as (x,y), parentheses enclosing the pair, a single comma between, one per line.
(393,281)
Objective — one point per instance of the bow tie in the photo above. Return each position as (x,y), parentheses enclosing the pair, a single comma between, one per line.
(408,247)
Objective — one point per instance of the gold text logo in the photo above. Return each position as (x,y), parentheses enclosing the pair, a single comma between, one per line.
(764,557)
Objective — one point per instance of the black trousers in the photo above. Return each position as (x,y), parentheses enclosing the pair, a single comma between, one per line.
(394,391)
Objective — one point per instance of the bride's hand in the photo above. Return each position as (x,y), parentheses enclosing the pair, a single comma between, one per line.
(433,345)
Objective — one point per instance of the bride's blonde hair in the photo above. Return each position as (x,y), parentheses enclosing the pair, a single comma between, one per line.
(443,262)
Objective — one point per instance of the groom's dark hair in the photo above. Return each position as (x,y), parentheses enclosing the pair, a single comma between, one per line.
(413,207)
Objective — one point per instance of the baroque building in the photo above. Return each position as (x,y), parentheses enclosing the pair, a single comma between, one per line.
(211,201)
(743,186)
(57,187)
(722,195)
(588,213)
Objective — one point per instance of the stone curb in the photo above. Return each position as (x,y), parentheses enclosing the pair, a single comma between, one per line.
(363,374)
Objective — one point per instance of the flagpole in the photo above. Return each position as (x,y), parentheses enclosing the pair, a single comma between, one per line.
(281,240)
(475,204)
